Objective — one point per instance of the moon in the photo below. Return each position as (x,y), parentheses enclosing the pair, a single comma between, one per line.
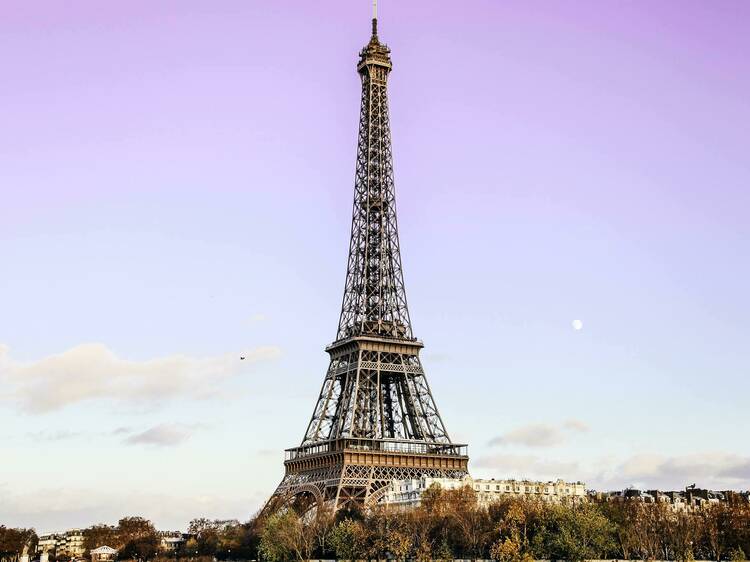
(577,325)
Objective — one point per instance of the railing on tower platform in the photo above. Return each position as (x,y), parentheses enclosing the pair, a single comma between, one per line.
(396,446)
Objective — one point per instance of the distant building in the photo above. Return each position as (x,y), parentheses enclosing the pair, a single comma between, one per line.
(72,544)
(68,544)
(172,541)
(692,498)
(103,554)
(225,524)
(47,544)
(409,492)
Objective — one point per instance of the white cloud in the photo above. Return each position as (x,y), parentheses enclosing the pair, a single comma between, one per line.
(92,371)
(66,435)
(164,435)
(534,435)
(539,434)
(576,425)
(528,466)
(709,469)
(60,435)
(739,469)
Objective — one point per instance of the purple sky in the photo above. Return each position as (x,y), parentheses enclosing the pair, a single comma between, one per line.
(175,189)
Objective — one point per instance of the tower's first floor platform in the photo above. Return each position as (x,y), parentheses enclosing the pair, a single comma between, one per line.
(358,472)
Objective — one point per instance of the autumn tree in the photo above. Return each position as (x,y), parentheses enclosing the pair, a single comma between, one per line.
(468,520)
(13,542)
(348,539)
(287,535)
(138,538)
(579,533)
(100,535)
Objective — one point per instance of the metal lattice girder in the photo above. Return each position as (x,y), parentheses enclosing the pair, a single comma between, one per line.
(375,419)
(374,296)
(375,394)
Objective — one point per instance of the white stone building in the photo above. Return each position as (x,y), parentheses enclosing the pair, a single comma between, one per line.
(69,544)
(172,541)
(47,543)
(409,492)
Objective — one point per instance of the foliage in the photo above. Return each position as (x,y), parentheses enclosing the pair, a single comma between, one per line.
(288,535)
(580,534)
(100,535)
(506,550)
(14,541)
(448,524)
(348,539)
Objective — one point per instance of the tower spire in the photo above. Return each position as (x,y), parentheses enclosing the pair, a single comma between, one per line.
(374,20)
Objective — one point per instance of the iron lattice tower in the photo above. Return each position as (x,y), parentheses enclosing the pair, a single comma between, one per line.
(375,419)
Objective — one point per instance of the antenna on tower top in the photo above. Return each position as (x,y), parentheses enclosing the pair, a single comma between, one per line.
(375,19)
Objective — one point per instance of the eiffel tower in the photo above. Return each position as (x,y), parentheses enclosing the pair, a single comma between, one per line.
(375,420)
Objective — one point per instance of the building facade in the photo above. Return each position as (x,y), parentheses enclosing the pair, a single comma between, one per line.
(172,541)
(69,544)
(691,498)
(408,493)
(47,544)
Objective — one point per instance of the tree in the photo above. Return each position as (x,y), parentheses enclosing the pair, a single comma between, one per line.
(200,525)
(624,517)
(581,533)
(100,535)
(469,521)
(506,550)
(348,539)
(433,500)
(390,535)
(13,542)
(715,526)
(287,535)
(683,534)
(321,527)
(138,538)
(140,548)
(131,528)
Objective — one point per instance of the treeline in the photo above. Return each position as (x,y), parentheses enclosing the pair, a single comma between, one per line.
(136,538)
(133,537)
(13,542)
(449,524)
